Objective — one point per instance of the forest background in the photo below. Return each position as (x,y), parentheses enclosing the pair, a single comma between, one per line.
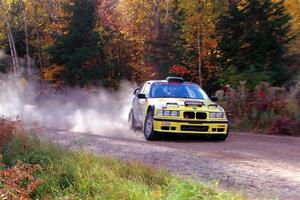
(245,50)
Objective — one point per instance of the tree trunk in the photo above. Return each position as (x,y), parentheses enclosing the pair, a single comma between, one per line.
(199,55)
(11,40)
(36,30)
(50,6)
(166,22)
(26,42)
(156,17)
(12,54)
(168,11)
(14,47)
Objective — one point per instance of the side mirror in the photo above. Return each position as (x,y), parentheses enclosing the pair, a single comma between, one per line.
(136,91)
(142,96)
(214,98)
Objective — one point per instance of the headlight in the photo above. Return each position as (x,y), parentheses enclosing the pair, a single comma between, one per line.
(173,113)
(215,106)
(217,115)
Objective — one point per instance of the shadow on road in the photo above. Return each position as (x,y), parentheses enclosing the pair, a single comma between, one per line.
(187,138)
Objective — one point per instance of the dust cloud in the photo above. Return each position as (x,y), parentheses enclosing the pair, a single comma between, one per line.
(99,112)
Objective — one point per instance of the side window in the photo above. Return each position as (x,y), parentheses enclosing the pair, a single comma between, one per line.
(142,91)
(146,88)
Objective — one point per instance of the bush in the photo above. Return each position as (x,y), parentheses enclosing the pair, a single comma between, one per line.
(274,110)
(7,131)
(18,182)
(17,178)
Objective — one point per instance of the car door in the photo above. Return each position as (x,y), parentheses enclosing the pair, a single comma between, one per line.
(135,103)
(143,102)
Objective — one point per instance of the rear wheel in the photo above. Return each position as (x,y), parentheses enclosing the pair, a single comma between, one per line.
(220,137)
(131,121)
(149,133)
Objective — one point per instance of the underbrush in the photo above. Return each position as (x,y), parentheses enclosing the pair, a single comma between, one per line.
(272,110)
(37,170)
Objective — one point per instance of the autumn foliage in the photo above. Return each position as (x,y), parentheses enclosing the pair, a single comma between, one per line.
(8,129)
(52,73)
(16,182)
(178,70)
(268,109)
(13,181)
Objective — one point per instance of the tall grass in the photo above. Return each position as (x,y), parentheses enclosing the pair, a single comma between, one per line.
(82,175)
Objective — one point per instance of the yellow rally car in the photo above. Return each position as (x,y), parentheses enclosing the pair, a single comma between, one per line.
(176,106)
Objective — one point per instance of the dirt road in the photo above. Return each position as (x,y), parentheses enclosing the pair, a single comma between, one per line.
(261,167)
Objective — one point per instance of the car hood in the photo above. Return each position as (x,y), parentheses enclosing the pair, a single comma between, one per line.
(179,103)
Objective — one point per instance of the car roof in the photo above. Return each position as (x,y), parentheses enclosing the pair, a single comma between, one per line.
(165,81)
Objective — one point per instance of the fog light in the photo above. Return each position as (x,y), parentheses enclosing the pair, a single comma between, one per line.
(166,123)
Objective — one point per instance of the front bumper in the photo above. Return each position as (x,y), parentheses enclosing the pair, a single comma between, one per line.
(190,126)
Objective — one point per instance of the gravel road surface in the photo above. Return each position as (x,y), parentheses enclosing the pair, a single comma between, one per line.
(259,166)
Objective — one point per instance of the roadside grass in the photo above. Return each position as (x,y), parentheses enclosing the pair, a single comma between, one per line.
(78,175)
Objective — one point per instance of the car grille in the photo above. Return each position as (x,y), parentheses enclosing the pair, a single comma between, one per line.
(189,115)
(200,115)
(193,115)
(194,128)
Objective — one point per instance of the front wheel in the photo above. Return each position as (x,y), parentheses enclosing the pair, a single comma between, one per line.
(149,133)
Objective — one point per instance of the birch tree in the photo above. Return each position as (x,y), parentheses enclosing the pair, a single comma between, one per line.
(37,33)
(27,48)
(12,46)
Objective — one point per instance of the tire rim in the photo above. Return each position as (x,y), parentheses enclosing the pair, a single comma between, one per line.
(148,127)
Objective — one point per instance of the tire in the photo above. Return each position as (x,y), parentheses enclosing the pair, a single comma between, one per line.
(220,137)
(149,133)
(131,121)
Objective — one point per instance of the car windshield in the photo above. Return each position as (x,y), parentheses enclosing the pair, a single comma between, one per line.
(177,90)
